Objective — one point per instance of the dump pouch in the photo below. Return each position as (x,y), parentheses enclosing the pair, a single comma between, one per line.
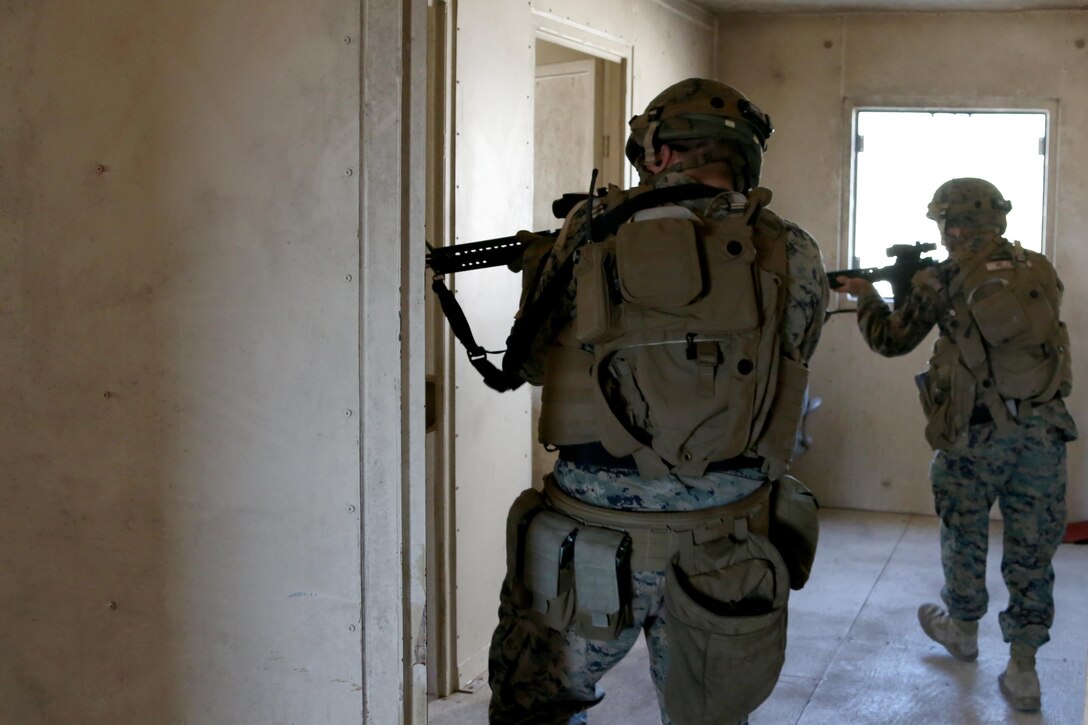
(726,626)
(602,582)
(795,527)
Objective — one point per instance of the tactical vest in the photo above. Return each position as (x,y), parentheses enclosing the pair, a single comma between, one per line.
(1005,334)
(673,356)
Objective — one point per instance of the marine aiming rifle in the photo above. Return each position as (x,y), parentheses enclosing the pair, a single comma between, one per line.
(908,261)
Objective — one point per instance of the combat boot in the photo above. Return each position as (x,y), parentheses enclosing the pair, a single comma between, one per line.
(1019,682)
(958,636)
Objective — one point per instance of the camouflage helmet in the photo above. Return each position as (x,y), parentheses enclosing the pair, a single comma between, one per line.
(702,109)
(969,203)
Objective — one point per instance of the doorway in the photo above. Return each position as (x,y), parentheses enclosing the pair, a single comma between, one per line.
(578,126)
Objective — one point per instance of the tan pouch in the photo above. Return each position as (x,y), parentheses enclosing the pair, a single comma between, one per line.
(779,437)
(1023,373)
(592,301)
(795,527)
(1019,315)
(726,627)
(567,412)
(528,503)
(947,394)
(602,582)
(546,566)
(658,262)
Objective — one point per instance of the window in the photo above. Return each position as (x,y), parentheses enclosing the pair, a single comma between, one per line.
(900,157)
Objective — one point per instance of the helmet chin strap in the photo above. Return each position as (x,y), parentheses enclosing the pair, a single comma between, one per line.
(717,152)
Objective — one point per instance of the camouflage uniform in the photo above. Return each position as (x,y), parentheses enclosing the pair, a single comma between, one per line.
(539,675)
(1023,469)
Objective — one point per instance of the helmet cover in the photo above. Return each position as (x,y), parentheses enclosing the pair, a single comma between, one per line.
(970,203)
(699,109)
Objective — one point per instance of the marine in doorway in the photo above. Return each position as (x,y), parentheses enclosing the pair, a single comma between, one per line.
(993,396)
(672,348)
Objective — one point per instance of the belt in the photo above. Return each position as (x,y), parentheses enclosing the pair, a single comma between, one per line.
(657,536)
(594,454)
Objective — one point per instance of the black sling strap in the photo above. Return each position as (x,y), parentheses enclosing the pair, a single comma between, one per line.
(493,377)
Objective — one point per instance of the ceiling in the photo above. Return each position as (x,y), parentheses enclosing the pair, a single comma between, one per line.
(844,6)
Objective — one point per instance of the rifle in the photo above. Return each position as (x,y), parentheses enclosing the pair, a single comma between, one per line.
(481,255)
(493,252)
(908,260)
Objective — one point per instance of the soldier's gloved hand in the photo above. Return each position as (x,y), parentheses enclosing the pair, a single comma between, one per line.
(536,247)
(855,286)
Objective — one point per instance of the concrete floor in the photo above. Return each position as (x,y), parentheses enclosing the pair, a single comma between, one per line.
(856,655)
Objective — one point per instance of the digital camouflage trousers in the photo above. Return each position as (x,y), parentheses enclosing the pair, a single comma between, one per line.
(1025,472)
(540,676)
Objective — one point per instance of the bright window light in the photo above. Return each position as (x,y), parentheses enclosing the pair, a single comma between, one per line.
(901,157)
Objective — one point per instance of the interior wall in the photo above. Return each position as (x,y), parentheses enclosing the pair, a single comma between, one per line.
(180,213)
(492,196)
(869,451)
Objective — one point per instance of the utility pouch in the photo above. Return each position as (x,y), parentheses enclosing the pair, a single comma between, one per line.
(1014,316)
(795,527)
(547,567)
(657,261)
(528,504)
(567,413)
(726,627)
(947,394)
(602,582)
(593,274)
(779,437)
(1024,373)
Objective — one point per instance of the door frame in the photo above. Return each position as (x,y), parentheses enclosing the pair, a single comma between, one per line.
(441,551)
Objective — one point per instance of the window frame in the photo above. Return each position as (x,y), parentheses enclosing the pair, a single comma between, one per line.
(844,252)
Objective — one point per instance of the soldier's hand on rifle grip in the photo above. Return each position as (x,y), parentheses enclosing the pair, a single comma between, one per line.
(535,247)
(854,286)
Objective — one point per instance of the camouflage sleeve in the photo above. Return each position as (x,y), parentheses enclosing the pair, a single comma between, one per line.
(897,333)
(807,293)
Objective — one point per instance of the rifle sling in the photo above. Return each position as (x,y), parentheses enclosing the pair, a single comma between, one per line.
(493,377)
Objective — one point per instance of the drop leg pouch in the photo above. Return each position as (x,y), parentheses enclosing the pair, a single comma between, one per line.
(726,628)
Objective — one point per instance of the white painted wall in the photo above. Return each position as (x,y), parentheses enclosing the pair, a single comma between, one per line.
(182,532)
(493,197)
(869,451)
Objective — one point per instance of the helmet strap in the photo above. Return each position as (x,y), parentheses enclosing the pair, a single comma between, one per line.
(716,152)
